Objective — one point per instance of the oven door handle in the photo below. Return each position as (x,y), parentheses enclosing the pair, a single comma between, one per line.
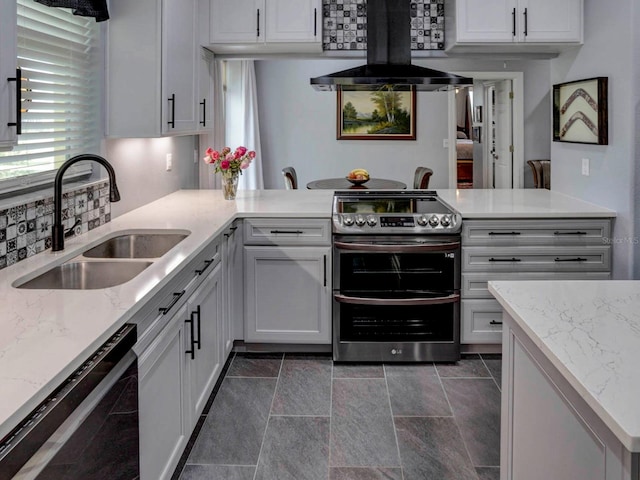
(396,248)
(453,298)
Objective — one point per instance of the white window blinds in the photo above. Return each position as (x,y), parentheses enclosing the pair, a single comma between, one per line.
(60,58)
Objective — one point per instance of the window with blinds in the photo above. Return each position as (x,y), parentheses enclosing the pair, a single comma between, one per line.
(61,59)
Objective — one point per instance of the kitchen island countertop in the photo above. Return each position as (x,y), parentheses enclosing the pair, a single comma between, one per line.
(590,332)
(46,334)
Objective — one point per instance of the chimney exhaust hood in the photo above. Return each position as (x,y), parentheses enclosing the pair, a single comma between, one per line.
(389,55)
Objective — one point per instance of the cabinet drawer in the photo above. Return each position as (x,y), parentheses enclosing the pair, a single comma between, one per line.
(481,321)
(474,285)
(536,232)
(287,231)
(536,259)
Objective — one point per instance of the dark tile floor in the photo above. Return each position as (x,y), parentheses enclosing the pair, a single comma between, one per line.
(302,417)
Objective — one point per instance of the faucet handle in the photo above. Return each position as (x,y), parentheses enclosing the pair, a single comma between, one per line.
(72,231)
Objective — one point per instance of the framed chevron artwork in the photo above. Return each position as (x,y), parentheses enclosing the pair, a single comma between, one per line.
(580,111)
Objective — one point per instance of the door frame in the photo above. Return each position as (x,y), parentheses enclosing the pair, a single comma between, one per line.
(517,79)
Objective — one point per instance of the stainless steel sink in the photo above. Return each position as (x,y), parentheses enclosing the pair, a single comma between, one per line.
(86,275)
(136,245)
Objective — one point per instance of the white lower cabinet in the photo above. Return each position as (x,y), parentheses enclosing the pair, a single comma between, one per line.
(233,272)
(162,386)
(287,295)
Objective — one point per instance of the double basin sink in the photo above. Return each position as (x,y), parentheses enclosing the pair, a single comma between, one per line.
(112,262)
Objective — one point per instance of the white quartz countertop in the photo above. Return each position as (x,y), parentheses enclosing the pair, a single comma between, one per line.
(46,334)
(590,331)
(524,203)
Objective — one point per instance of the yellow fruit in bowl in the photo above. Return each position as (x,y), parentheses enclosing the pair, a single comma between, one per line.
(358,174)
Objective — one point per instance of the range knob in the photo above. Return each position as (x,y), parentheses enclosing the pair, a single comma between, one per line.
(422,220)
(347,220)
(360,221)
(433,221)
(371,221)
(445,221)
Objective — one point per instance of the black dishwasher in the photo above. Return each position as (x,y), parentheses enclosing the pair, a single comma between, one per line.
(88,428)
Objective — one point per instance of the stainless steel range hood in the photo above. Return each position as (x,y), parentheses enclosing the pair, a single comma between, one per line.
(389,55)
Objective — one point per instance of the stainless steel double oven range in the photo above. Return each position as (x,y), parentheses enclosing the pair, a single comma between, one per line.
(396,277)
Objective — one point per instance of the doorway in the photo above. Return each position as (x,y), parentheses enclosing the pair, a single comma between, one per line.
(490,116)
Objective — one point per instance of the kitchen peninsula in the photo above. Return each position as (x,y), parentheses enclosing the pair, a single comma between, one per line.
(570,382)
(48,333)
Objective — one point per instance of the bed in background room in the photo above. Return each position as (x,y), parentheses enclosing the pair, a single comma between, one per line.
(464,151)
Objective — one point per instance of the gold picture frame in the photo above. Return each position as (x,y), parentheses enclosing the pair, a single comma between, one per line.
(580,111)
(385,112)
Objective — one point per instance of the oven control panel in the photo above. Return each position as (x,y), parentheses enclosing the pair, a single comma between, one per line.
(397,222)
(417,223)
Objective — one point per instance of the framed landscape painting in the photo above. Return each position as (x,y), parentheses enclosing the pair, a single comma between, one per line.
(377,113)
(580,111)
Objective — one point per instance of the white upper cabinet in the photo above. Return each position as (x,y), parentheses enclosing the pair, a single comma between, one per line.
(153,70)
(8,84)
(515,22)
(265,25)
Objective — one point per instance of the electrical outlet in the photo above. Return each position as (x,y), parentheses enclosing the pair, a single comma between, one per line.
(445,143)
(585,167)
(169,162)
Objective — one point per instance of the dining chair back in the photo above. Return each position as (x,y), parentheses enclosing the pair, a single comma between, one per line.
(421,178)
(541,170)
(290,178)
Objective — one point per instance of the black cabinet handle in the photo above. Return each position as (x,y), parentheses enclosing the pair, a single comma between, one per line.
(18,122)
(196,312)
(513,20)
(192,350)
(577,259)
(258,22)
(495,322)
(172,122)
(203,122)
(315,22)
(176,297)
(207,264)
(569,233)
(526,22)
(512,259)
(324,260)
(505,233)
(231,231)
(294,232)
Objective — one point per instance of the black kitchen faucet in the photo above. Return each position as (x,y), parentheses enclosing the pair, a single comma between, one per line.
(58,234)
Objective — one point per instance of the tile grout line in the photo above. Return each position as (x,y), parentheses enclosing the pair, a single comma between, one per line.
(330,421)
(491,373)
(264,434)
(393,422)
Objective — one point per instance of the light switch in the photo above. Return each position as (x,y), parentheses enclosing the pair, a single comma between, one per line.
(585,167)
(169,162)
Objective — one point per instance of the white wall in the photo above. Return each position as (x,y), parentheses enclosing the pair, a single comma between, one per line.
(298,124)
(140,165)
(609,50)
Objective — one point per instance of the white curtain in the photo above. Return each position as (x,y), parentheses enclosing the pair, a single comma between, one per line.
(241,118)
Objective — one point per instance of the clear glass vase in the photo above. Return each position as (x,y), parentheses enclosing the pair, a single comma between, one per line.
(230,186)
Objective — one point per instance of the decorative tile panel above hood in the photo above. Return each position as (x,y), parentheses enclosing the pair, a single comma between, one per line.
(345,24)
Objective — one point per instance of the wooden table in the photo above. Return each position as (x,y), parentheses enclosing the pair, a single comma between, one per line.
(344,184)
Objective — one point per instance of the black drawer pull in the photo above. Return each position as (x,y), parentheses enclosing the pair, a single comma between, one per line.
(512,259)
(294,232)
(505,233)
(569,233)
(203,122)
(197,312)
(513,21)
(577,259)
(176,297)
(172,122)
(207,264)
(495,322)
(526,23)
(18,122)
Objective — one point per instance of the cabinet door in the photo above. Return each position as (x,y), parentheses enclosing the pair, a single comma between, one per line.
(205,90)
(8,64)
(233,289)
(179,60)
(550,21)
(237,21)
(201,340)
(486,20)
(287,294)
(293,20)
(163,429)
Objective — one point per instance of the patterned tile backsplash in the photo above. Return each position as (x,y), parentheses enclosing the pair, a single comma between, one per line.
(345,24)
(25,229)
